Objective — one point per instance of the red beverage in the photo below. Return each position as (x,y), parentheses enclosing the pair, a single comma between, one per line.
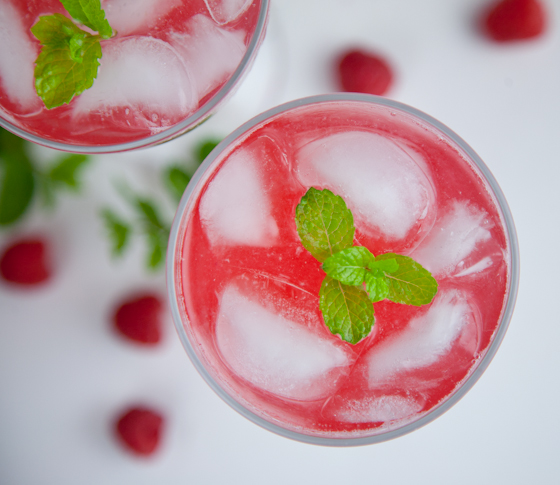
(169,66)
(245,291)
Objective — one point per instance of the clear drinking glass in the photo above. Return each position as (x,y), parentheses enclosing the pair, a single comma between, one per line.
(244,292)
(170,66)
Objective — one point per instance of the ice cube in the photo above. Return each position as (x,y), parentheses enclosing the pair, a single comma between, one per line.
(385,188)
(224,11)
(129,16)
(452,239)
(235,208)
(274,353)
(425,340)
(374,409)
(143,75)
(210,53)
(477,267)
(17,58)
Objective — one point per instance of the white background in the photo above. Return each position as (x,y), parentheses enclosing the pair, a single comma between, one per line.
(64,374)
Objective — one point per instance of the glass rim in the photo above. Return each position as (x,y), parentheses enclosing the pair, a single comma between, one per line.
(512,289)
(196,118)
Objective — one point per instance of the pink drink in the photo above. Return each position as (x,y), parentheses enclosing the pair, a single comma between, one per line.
(245,290)
(165,71)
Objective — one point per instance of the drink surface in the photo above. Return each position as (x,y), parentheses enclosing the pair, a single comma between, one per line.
(168,60)
(248,290)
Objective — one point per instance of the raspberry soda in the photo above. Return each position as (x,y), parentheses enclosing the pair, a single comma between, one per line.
(244,291)
(167,69)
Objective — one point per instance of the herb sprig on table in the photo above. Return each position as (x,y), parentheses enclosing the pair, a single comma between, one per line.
(22,178)
(147,219)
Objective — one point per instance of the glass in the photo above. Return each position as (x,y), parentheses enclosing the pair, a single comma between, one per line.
(403,375)
(95,122)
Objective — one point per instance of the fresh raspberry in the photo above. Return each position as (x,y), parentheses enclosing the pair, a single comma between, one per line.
(25,262)
(510,20)
(139,429)
(139,319)
(363,72)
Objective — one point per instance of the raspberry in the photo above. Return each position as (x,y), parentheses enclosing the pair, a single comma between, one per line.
(510,20)
(363,72)
(25,262)
(139,429)
(139,319)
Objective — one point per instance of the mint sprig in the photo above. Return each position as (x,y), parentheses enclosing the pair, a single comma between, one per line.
(147,222)
(326,229)
(69,58)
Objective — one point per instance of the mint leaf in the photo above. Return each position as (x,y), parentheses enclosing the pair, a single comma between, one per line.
(90,14)
(204,149)
(410,284)
(149,213)
(76,45)
(157,244)
(177,177)
(17,186)
(156,231)
(54,29)
(381,266)
(12,148)
(346,310)
(376,287)
(118,230)
(376,278)
(66,171)
(349,266)
(68,62)
(17,183)
(177,180)
(356,265)
(324,224)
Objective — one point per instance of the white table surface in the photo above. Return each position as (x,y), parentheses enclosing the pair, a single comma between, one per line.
(64,374)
